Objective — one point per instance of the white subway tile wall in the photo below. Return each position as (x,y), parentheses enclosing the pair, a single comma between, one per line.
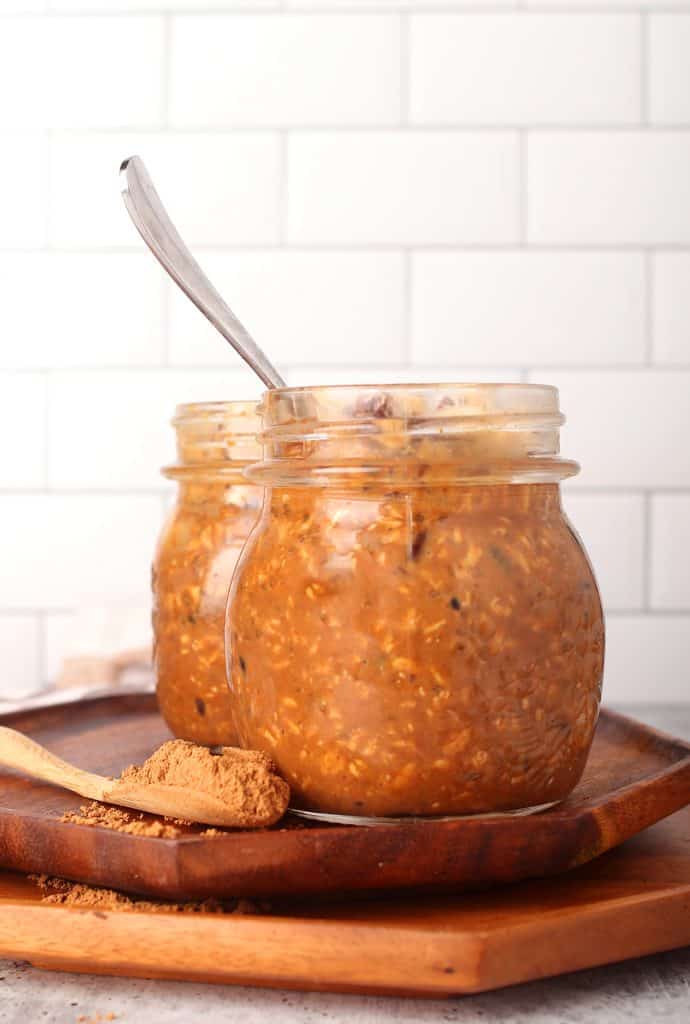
(295,71)
(21,653)
(23,199)
(554,308)
(669,74)
(670,296)
(224,188)
(385,190)
(670,539)
(297,304)
(66,551)
(491,69)
(623,187)
(23,430)
(402,188)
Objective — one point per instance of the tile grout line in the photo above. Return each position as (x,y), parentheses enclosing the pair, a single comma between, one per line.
(407,308)
(404,69)
(546,248)
(644,69)
(41,648)
(166,318)
(397,364)
(234,129)
(649,296)
(46,179)
(283,197)
(47,406)
(166,72)
(245,8)
(647,553)
(523,146)
(471,7)
(166,92)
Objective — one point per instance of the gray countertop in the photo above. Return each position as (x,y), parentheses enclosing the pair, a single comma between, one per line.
(656,988)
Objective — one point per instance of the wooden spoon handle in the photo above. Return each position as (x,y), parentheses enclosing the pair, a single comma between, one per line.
(19,752)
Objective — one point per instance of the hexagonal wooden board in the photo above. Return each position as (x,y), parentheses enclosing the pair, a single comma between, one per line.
(635,776)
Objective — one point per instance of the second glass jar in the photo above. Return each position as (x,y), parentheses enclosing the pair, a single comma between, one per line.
(215,511)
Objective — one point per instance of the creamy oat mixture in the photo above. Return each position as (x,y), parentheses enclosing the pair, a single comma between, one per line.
(400,648)
(196,555)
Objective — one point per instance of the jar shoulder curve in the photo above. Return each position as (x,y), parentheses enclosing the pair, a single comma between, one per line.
(520,528)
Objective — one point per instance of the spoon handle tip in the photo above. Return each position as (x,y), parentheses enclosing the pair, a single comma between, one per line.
(165,242)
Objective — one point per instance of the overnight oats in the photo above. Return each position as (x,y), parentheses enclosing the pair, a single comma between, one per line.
(216,509)
(414,627)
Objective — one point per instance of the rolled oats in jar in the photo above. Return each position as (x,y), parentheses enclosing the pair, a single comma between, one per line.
(414,627)
(215,510)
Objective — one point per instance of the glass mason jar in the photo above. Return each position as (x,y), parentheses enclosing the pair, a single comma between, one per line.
(216,509)
(414,627)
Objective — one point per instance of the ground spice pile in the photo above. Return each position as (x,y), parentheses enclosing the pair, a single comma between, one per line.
(119,820)
(59,891)
(245,781)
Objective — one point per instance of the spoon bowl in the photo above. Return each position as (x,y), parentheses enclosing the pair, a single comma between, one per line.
(23,754)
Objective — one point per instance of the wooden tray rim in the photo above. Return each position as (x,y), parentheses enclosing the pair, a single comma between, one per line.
(646,801)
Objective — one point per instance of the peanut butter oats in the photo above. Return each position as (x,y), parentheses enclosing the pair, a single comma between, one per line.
(194,562)
(414,627)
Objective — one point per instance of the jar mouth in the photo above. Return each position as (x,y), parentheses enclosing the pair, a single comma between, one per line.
(215,437)
(412,387)
(407,431)
(356,405)
(195,413)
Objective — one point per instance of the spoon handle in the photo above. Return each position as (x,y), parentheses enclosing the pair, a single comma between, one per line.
(19,752)
(163,239)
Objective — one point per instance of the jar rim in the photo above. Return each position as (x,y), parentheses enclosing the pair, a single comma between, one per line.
(186,412)
(411,431)
(358,403)
(215,438)
(415,386)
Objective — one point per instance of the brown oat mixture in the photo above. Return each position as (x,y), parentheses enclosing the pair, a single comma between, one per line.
(404,641)
(196,555)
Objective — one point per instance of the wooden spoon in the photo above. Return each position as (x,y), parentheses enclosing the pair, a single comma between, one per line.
(19,752)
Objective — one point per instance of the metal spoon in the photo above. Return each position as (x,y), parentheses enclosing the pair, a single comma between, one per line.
(19,752)
(163,239)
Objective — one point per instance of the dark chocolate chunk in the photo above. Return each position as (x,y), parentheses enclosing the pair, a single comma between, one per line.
(418,543)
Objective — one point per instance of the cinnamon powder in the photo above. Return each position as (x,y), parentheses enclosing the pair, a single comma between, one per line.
(119,820)
(246,781)
(58,891)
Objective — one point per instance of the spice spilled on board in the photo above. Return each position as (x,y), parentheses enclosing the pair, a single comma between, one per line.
(134,823)
(60,892)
